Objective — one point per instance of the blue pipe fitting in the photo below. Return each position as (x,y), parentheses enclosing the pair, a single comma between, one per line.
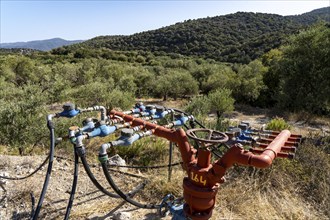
(125,141)
(69,111)
(175,208)
(139,106)
(161,113)
(89,125)
(149,110)
(102,131)
(128,137)
(181,120)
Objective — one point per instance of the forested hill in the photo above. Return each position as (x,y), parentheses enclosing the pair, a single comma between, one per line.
(313,16)
(239,37)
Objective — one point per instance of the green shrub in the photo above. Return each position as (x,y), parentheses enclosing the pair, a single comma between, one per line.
(277,124)
(198,106)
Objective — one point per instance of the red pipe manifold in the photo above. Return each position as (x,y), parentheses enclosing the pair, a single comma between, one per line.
(202,184)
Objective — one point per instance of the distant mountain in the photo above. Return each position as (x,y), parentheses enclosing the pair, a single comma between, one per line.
(239,37)
(43,45)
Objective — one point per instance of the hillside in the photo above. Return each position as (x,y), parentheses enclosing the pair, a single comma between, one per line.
(43,45)
(239,37)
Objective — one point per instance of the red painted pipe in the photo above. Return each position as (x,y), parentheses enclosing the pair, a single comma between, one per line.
(280,154)
(284,148)
(237,154)
(178,136)
(292,135)
(287,143)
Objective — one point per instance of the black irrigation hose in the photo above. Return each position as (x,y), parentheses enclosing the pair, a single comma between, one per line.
(123,195)
(93,179)
(25,177)
(74,185)
(101,188)
(147,167)
(33,203)
(49,170)
(133,167)
(128,174)
(169,170)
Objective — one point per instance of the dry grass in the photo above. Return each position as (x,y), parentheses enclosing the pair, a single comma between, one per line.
(245,199)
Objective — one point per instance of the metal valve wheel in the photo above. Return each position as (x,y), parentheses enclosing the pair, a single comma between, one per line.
(207,137)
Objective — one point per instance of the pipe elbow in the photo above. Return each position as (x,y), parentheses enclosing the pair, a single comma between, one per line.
(50,117)
(104,148)
(261,161)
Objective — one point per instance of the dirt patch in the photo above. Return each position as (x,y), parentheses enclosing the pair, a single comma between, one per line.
(89,203)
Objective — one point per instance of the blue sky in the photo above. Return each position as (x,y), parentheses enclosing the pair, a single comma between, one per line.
(80,20)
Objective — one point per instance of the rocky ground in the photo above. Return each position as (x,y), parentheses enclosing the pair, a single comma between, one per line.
(89,203)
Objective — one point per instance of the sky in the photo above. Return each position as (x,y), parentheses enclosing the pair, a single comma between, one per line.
(27,20)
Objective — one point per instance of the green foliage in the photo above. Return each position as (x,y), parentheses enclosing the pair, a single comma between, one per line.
(236,38)
(218,76)
(221,101)
(22,111)
(176,84)
(249,82)
(198,106)
(277,124)
(144,152)
(271,79)
(304,71)
(120,99)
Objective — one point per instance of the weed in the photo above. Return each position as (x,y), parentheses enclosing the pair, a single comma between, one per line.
(278,124)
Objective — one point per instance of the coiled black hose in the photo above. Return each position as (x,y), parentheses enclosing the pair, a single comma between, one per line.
(50,126)
(122,194)
(74,185)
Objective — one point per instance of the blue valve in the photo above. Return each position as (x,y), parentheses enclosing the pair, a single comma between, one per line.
(69,114)
(161,112)
(102,131)
(181,120)
(175,207)
(242,136)
(69,111)
(139,107)
(89,125)
(149,110)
